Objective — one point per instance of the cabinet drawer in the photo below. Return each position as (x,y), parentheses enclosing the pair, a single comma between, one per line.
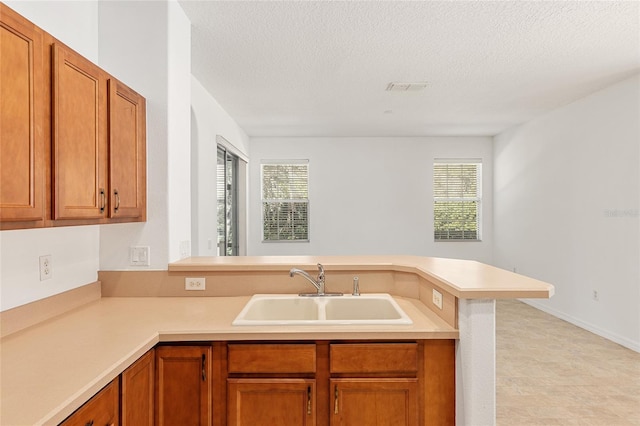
(272,358)
(397,358)
(102,409)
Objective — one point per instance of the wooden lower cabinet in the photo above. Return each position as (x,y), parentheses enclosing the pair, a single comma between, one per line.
(308,383)
(183,385)
(102,409)
(268,402)
(340,383)
(137,392)
(374,402)
(375,383)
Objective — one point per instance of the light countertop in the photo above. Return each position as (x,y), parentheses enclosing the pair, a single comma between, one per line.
(52,368)
(464,279)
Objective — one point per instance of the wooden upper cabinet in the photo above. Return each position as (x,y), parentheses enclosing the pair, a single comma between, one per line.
(22,107)
(79,139)
(72,138)
(127,152)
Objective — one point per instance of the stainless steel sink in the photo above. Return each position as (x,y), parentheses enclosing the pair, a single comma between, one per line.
(288,309)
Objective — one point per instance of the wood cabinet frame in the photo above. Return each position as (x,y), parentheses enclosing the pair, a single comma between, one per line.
(23,129)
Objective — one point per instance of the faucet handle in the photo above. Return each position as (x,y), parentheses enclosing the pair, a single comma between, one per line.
(320,273)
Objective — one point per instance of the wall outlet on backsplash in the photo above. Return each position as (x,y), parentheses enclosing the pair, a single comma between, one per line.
(194,283)
(46,267)
(437,298)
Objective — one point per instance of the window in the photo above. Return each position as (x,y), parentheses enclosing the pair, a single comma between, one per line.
(456,199)
(285,201)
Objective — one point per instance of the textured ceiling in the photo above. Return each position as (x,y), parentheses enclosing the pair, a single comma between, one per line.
(320,68)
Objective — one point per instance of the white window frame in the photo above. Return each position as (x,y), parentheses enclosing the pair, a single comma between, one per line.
(477,198)
(299,200)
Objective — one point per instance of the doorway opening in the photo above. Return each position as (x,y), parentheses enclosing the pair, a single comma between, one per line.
(227,181)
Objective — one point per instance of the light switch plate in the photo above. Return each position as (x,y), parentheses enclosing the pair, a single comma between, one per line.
(139,256)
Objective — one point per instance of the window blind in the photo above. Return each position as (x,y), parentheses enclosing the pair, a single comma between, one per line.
(457,198)
(285,201)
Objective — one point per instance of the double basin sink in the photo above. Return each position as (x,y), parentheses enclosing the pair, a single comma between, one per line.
(289,309)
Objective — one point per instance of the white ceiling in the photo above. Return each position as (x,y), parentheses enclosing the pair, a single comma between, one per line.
(320,68)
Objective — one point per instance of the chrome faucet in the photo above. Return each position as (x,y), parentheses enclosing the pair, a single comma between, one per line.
(317,283)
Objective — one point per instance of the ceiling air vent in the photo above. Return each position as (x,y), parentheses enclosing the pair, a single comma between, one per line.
(406,87)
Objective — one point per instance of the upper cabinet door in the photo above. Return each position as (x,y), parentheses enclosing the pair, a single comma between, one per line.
(79,137)
(127,152)
(22,106)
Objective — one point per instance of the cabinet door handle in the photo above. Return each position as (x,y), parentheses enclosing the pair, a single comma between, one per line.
(103,204)
(335,400)
(117,195)
(204,370)
(308,400)
(89,423)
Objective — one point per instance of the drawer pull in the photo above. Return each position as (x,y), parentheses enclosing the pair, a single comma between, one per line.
(89,423)
(335,400)
(308,400)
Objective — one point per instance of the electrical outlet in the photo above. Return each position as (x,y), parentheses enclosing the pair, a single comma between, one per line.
(46,267)
(595,295)
(194,284)
(437,298)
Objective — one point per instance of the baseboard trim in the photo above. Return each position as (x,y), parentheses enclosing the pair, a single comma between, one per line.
(627,343)
(21,317)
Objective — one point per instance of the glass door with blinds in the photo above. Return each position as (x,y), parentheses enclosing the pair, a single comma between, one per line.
(227,196)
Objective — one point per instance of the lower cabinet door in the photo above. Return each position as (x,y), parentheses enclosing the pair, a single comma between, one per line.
(183,386)
(269,402)
(102,409)
(359,402)
(137,392)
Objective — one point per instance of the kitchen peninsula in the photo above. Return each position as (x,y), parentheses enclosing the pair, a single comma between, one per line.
(51,368)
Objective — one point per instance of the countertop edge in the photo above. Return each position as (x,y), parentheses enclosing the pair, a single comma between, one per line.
(464,279)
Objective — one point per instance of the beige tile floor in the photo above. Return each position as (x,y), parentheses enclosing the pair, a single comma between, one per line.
(550,372)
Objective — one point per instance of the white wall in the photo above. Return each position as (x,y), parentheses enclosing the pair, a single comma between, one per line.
(208,119)
(74,250)
(147,45)
(371,195)
(567,209)
(179,123)
(72,22)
